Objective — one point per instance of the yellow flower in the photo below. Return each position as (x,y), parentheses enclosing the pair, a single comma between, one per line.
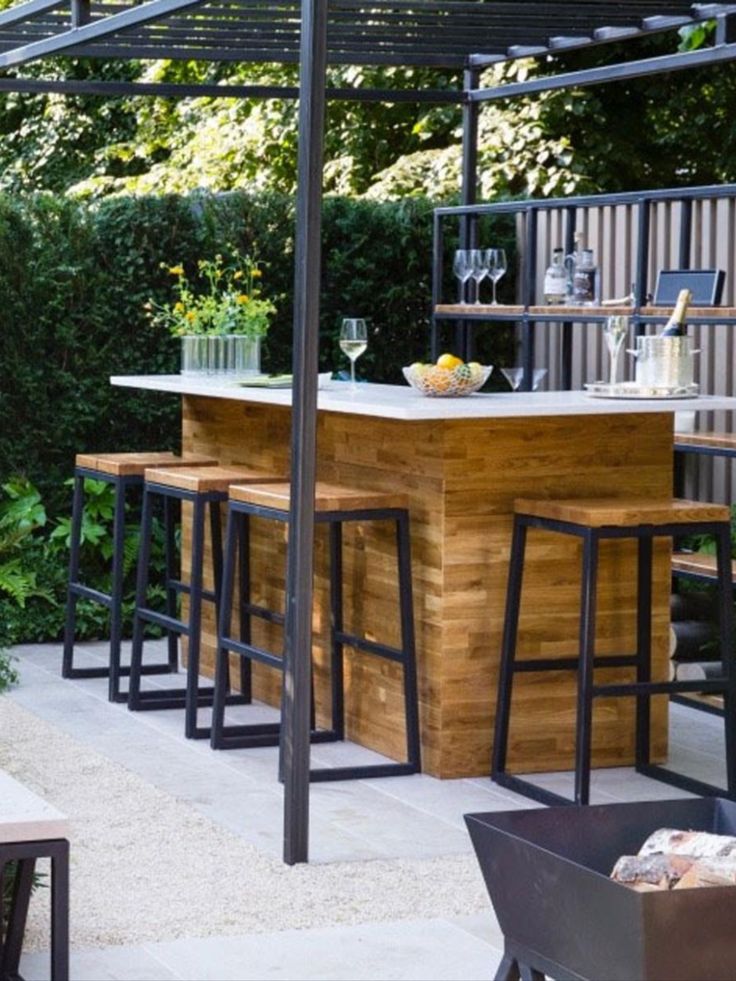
(238,274)
(176,270)
(256,273)
(179,307)
(191,315)
(242,298)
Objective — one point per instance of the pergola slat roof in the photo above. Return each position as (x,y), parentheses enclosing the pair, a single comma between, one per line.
(359,32)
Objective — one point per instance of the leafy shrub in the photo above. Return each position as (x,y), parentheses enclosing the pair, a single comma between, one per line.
(34,608)
(75,279)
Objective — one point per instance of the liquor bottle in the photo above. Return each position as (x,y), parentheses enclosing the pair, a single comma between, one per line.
(555,279)
(582,284)
(675,326)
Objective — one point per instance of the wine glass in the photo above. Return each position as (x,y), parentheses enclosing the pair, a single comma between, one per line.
(462,267)
(615,331)
(478,268)
(514,376)
(496,263)
(537,376)
(353,342)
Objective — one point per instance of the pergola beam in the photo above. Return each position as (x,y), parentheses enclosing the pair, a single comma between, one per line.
(197,90)
(608,73)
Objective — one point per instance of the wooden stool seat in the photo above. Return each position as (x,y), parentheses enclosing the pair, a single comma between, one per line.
(622,512)
(205,480)
(328,497)
(134,464)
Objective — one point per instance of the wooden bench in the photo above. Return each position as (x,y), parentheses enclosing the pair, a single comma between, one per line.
(31,829)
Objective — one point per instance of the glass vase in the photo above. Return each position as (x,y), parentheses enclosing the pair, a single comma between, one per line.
(220,354)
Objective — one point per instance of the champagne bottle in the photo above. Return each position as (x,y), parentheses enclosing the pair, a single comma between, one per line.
(675,326)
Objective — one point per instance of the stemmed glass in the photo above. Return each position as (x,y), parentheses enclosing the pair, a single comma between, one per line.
(353,342)
(496,264)
(478,268)
(615,331)
(515,376)
(462,266)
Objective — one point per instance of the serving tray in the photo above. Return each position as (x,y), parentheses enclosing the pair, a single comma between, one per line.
(630,390)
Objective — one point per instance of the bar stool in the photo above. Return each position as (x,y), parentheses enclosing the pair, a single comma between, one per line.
(594,521)
(334,506)
(125,472)
(206,488)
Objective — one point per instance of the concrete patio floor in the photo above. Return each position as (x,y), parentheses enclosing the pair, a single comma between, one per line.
(417,908)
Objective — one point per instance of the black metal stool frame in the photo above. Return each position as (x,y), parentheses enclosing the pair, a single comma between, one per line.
(241,736)
(192,696)
(25,854)
(113,600)
(585,663)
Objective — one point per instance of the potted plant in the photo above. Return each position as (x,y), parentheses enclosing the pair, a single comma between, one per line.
(221,325)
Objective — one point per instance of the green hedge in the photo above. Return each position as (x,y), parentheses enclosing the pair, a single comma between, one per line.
(74,278)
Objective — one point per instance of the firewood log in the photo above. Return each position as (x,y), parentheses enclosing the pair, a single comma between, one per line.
(709,872)
(696,844)
(650,872)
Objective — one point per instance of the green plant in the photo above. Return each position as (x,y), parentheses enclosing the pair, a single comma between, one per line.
(232,303)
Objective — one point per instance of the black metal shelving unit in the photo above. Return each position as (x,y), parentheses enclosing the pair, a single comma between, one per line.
(529,312)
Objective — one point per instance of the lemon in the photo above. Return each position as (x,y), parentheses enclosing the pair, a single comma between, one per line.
(448,361)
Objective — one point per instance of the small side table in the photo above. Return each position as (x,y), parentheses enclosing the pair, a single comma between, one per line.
(31,829)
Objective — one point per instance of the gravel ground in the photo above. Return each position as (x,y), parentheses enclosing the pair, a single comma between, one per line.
(147,867)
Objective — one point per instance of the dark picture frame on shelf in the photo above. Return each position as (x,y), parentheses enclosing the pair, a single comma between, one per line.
(706,286)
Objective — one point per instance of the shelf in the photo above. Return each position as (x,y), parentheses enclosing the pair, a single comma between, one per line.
(714,314)
(695,565)
(714,444)
(579,313)
(478,310)
(552,313)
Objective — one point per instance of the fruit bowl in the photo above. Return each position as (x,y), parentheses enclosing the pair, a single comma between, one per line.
(437,382)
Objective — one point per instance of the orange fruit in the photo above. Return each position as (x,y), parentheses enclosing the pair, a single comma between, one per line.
(448,361)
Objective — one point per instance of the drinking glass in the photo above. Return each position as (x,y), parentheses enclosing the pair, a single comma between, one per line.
(478,268)
(615,331)
(353,341)
(514,376)
(496,263)
(462,267)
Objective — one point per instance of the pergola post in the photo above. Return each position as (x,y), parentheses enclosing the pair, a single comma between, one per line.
(468,193)
(307,261)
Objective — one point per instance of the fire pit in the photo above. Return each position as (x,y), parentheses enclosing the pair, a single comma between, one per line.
(547,873)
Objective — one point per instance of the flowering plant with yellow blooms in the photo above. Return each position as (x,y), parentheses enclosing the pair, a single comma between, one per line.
(231,302)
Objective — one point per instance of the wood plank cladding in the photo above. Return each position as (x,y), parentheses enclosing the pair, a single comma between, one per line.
(461,478)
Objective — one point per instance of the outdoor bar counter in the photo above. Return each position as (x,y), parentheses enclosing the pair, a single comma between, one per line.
(461,462)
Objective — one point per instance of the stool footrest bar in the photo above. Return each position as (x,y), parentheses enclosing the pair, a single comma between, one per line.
(87,592)
(573,663)
(718,685)
(163,620)
(370,647)
(255,653)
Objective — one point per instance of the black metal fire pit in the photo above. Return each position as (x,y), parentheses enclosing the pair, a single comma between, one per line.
(547,873)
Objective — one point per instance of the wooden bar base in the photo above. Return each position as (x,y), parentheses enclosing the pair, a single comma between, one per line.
(461,477)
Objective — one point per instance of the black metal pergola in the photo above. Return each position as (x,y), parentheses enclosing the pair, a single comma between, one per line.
(461,35)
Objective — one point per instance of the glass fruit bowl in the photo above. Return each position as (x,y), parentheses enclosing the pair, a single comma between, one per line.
(430,379)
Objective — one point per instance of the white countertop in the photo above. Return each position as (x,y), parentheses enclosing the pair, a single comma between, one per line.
(403,402)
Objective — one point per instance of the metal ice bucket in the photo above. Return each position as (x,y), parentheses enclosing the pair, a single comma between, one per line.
(664,362)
